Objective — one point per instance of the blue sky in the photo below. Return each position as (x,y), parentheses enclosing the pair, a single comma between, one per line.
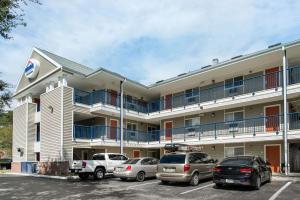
(146,40)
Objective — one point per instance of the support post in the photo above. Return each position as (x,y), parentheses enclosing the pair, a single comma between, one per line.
(285,132)
(121,116)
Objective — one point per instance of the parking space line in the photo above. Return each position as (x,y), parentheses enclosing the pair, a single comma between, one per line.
(138,185)
(275,195)
(199,188)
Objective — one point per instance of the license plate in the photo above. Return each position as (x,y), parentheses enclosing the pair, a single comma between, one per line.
(229,181)
(169,170)
(119,169)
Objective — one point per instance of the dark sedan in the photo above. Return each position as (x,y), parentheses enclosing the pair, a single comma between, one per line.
(242,170)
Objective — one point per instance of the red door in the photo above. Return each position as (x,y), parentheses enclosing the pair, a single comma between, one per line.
(273,157)
(113,97)
(272,119)
(113,129)
(168,130)
(272,78)
(136,153)
(168,101)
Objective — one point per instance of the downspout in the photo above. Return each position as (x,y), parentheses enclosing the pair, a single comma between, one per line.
(121,115)
(285,132)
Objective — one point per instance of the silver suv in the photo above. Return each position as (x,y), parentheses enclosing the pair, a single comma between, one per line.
(187,167)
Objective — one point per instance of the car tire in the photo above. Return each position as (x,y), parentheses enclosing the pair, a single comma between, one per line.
(123,179)
(99,174)
(219,185)
(195,179)
(140,177)
(83,176)
(257,183)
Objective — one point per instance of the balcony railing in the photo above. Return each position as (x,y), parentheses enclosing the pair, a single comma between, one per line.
(249,84)
(254,126)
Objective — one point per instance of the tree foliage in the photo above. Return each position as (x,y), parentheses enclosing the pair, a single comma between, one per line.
(12,15)
(6,134)
(5,95)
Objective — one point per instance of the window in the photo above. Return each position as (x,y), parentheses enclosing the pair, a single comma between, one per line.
(173,159)
(233,151)
(98,157)
(132,161)
(192,122)
(37,138)
(234,116)
(146,161)
(131,128)
(235,161)
(37,156)
(191,95)
(116,157)
(234,82)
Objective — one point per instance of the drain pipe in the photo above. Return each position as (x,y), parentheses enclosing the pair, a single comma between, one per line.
(121,115)
(285,132)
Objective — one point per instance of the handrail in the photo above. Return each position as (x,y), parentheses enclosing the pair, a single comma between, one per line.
(256,125)
(205,93)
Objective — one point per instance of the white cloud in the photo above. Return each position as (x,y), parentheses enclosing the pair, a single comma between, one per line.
(90,31)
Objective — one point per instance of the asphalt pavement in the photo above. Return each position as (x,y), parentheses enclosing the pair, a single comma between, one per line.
(26,187)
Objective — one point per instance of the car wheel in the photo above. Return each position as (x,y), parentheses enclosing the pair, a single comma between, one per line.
(99,174)
(195,180)
(83,176)
(164,182)
(123,179)
(140,177)
(219,185)
(258,183)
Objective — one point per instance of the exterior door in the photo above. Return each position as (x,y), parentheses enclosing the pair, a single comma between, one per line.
(113,129)
(272,119)
(272,78)
(136,154)
(113,97)
(168,101)
(273,157)
(168,130)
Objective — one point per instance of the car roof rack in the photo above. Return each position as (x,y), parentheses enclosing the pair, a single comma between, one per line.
(173,147)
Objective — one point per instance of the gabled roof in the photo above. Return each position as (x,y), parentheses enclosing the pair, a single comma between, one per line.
(68,64)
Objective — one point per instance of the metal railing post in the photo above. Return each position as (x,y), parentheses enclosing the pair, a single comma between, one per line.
(215,131)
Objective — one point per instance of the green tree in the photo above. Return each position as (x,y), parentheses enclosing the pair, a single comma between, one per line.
(6,134)
(5,95)
(11,15)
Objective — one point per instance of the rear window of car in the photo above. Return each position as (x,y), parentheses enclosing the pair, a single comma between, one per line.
(173,159)
(236,161)
(132,161)
(98,157)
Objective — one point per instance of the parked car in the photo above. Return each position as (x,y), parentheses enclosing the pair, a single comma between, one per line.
(186,166)
(100,165)
(242,170)
(137,168)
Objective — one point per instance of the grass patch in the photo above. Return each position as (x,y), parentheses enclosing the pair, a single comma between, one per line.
(3,171)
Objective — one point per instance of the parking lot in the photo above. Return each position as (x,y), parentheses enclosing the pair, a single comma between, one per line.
(25,187)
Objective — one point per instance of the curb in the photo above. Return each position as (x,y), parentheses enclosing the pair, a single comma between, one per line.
(45,176)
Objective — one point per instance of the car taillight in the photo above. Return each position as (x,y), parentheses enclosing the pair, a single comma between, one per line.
(246,170)
(83,164)
(128,168)
(186,167)
(216,169)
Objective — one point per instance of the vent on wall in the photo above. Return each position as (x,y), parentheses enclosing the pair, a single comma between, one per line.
(274,45)
(205,66)
(160,81)
(235,57)
(181,74)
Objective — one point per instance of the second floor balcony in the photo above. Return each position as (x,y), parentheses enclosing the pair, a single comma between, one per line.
(253,127)
(234,87)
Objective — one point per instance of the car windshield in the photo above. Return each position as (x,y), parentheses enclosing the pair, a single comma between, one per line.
(173,159)
(132,161)
(236,161)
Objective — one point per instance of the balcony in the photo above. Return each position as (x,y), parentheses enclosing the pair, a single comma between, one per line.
(229,89)
(253,128)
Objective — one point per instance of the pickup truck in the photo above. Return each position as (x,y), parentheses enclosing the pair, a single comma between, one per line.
(100,165)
